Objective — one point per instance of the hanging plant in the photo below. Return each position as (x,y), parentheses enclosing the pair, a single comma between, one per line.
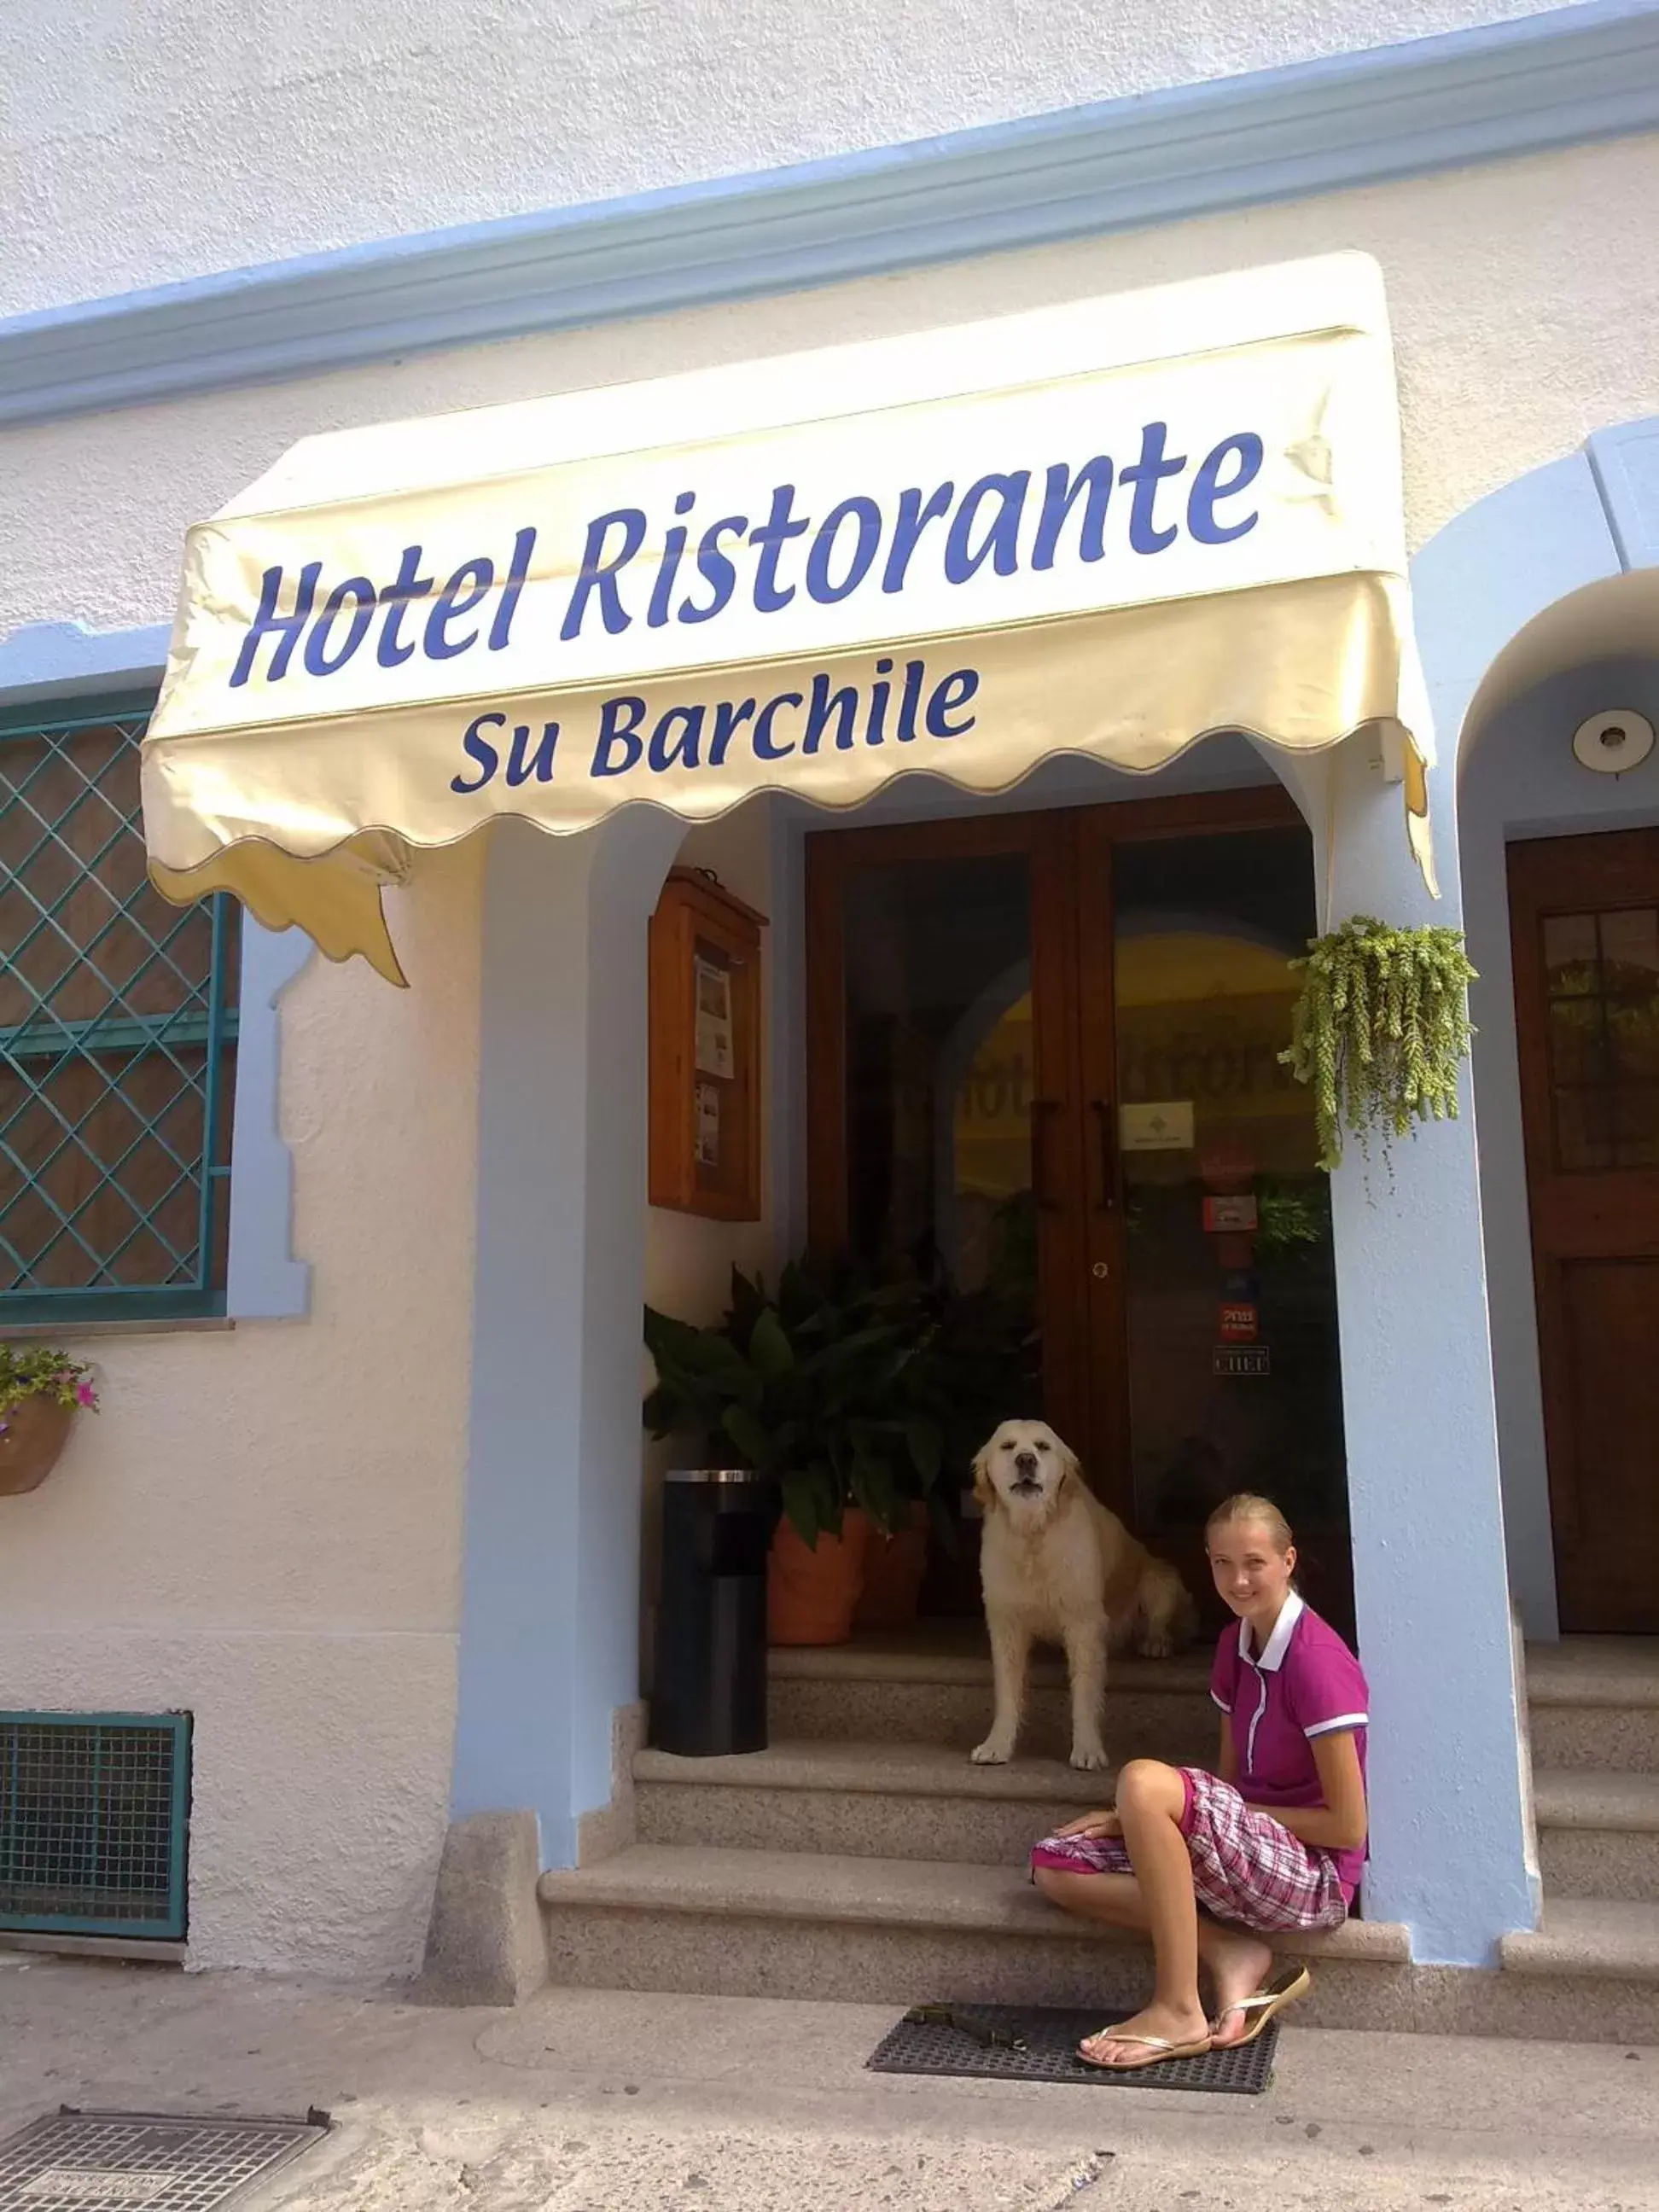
(40,1393)
(1379,1031)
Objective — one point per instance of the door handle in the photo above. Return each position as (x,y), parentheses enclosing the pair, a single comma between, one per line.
(1105,1114)
(1042,1113)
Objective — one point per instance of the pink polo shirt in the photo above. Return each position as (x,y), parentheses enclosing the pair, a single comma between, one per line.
(1306,1684)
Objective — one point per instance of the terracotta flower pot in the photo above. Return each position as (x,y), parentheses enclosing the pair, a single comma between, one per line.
(893,1572)
(811,1589)
(32,1433)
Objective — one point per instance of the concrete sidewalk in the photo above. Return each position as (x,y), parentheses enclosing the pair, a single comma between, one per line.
(594,2101)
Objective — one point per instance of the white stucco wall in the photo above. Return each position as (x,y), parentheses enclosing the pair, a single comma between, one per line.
(262,1524)
(1516,290)
(150,140)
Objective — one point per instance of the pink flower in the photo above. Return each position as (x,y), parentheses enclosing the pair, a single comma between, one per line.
(85,1395)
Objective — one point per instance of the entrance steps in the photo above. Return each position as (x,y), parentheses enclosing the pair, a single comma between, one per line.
(1598,1834)
(937,1693)
(864,1858)
(871,1930)
(1594,1703)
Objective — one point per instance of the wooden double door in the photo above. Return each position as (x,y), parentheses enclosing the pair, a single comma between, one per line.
(1043,1048)
(1585,923)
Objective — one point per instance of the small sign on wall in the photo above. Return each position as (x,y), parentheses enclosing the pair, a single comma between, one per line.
(706,1095)
(1238,1359)
(1164,1127)
(707,1145)
(1230,1215)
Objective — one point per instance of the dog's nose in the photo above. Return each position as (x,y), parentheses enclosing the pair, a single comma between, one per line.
(1025,1462)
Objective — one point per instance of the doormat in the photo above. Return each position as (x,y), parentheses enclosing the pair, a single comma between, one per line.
(100,2161)
(983,2040)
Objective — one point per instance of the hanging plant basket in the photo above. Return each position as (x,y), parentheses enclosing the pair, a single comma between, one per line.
(32,1434)
(1380,1030)
(40,1393)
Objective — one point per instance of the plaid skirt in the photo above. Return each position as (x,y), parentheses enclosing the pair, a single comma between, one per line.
(1247,1870)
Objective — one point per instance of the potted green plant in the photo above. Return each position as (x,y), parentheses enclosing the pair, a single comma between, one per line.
(803,1386)
(854,1392)
(41,1391)
(1380,1030)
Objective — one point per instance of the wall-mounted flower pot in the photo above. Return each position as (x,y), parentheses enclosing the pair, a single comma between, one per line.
(32,1433)
(811,1589)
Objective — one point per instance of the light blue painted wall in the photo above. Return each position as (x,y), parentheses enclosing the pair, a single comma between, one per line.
(1626,460)
(1520,779)
(1478,584)
(550,1559)
(47,662)
(1420,1346)
(264,1280)
(1448,1834)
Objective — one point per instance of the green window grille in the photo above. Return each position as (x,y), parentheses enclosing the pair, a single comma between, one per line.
(95,1821)
(118,1028)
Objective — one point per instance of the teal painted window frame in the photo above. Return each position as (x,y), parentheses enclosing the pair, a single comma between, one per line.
(202,1295)
(175,1927)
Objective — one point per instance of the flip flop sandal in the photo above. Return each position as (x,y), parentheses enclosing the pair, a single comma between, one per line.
(1272,1997)
(1158,2048)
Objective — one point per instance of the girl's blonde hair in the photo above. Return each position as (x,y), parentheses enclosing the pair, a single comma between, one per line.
(1261,1512)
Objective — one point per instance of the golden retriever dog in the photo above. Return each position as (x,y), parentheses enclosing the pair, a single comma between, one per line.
(1059,1567)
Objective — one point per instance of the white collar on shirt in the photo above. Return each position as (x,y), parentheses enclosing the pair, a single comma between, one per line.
(1279,1643)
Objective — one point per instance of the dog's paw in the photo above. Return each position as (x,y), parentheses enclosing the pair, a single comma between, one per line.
(1158,1647)
(991,1752)
(1088,1756)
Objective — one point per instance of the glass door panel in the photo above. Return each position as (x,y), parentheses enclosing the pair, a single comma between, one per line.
(1225,1296)
(943,1098)
(1045,1056)
(941,1069)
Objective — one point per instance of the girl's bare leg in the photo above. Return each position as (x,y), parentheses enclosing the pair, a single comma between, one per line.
(1150,1801)
(1238,1962)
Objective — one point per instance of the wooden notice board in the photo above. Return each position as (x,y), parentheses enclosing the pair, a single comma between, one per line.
(705,1150)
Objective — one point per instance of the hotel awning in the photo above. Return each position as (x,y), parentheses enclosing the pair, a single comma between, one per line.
(1109,528)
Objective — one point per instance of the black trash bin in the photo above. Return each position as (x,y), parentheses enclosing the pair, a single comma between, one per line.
(708,1695)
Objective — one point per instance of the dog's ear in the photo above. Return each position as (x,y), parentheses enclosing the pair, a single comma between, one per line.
(984,1489)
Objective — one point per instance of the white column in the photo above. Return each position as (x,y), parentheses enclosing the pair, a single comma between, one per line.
(1448,1843)
(551,1571)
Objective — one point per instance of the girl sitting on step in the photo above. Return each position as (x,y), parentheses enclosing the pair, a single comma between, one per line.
(1211,1864)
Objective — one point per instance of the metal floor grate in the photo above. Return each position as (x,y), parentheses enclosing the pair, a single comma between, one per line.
(100,2161)
(1050,2055)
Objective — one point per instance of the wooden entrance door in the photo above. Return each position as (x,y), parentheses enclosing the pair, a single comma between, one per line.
(1046,1045)
(1584,920)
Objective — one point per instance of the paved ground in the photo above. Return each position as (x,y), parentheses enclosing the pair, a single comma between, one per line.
(588,2101)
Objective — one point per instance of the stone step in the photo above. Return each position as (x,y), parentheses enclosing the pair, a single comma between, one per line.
(1594,1702)
(1598,1834)
(940,1694)
(900,1931)
(1588,1940)
(861,1800)
(904,1931)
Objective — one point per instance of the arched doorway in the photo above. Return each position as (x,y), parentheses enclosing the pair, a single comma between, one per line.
(1561,876)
